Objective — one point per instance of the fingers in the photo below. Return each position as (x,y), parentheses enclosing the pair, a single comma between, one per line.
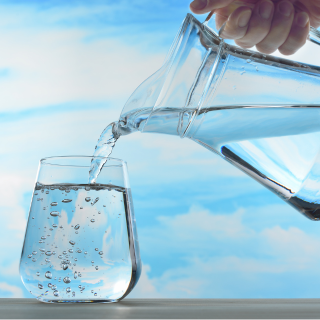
(280,28)
(203,6)
(259,24)
(298,34)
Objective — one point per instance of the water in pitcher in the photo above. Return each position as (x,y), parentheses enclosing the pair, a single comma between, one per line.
(81,250)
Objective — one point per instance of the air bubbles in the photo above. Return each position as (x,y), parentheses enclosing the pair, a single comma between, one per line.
(73,294)
(66,200)
(248,60)
(64,266)
(75,275)
(95,201)
(29,256)
(92,220)
(54,213)
(48,253)
(54,225)
(38,274)
(87,199)
(64,252)
(96,249)
(72,242)
(85,252)
(56,293)
(87,189)
(99,212)
(47,260)
(66,280)
(77,226)
(60,256)
(40,286)
(34,252)
(92,261)
(97,268)
(48,275)
(68,290)
(95,294)
(50,285)
(43,237)
(34,259)
(101,253)
(79,250)
(53,204)
(70,250)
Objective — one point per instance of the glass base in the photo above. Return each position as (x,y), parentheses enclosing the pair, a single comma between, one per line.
(78,301)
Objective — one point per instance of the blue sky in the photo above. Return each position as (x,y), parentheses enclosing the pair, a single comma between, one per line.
(206,230)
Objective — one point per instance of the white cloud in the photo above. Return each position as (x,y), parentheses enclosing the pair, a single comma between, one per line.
(10,290)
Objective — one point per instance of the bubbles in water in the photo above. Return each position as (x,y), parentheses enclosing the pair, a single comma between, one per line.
(40,286)
(70,250)
(64,252)
(54,213)
(77,226)
(48,253)
(85,252)
(95,201)
(60,256)
(56,293)
(97,268)
(68,290)
(87,199)
(43,237)
(87,189)
(48,275)
(49,284)
(96,249)
(75,275)
(54,204)
(72,242)
(92,261)
(64,266)
(79,251)
(66,280)
(92,220)
(34,252)
(34,259)
(73,294)
(29,256)
(248,60)
(47,260)
(66,200)
(42,250)
(54,225)
(101,253)
(38,273)
(95,294)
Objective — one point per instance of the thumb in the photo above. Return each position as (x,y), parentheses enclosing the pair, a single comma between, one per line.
(203,6)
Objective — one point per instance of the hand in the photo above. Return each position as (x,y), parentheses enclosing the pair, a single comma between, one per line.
(268,25)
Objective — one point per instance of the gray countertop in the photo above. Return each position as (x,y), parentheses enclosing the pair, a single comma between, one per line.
(165,309)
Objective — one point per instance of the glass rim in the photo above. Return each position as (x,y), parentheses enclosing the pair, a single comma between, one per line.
(120,162)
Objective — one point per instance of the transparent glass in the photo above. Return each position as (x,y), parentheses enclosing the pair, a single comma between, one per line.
(259,112)
(81,241)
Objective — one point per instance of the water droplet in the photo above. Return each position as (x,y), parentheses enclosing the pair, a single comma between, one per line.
(75,259)
(92,291)
(34,252)
(104,205)
(49,284)
(79,250)
(64,252)
(54,225)
(66,280)
(87,199)
(79,275)
(34,259)
(72,242)
(92,220)
(92,261)
(95,201)
(85,252)
(54,213)
(66,200)
(248,60)
(96,249)
(68,290)
(77,226)
(95,294)
(40,286)
(56,293)
(47,192)
(76,232)
(73,294)
(44,208)
(60,256)
(64,266)
(70,250)
(79,286)
(75,275)
(29,256)
(53,204)
(48,253)
(48,275)
(97,268)
(43,237)
(81,207)
(38,273)
(101,253)
(47,260)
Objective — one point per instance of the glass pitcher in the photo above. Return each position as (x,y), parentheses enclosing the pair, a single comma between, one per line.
(259,112)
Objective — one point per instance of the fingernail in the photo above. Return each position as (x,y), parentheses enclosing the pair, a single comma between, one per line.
(285,8)
(199,4)
(244,18)
(302,19)
(265,9)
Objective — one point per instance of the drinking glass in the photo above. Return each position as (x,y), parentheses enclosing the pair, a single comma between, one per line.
(81,241)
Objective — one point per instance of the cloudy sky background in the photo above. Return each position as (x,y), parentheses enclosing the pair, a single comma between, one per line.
(206,230)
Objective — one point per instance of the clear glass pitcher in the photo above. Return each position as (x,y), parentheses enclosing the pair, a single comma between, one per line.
(81,243)
(259,112)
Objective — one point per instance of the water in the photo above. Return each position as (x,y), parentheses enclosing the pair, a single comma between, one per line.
(277,146)
(73,258)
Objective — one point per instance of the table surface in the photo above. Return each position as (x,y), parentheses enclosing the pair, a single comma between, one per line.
(165,309)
